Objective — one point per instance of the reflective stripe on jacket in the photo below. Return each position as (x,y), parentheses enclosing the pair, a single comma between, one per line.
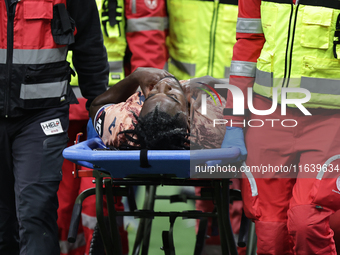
(201,37)
(33,70)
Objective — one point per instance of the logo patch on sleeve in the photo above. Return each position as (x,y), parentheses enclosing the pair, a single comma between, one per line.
(151,4)
(52,127)
(99,124)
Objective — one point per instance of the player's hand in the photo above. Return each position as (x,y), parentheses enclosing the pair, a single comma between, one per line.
(147,77)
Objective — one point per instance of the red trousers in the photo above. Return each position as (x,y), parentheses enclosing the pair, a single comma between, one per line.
(334,221)
(292,209)
(71,187)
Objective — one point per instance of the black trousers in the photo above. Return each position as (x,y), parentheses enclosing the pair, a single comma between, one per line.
(30,172)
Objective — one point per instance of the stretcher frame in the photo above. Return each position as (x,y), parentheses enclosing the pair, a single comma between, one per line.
(107,170)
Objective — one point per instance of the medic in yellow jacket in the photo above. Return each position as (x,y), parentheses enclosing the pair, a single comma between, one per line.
(291,45)
(201,37)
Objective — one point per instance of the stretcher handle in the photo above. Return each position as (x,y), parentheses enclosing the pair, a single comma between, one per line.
(80,163)
(75,219)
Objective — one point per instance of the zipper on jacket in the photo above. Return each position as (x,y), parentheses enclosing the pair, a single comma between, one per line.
(212,39)
(10,20)
(290,43)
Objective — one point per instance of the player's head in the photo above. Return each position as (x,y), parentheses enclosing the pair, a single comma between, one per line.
(168,96)
(163,120)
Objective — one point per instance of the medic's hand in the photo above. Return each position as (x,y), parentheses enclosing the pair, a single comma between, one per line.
(147,77)
(234,137)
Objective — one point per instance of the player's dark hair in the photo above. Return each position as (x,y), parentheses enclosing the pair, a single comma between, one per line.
(158,130)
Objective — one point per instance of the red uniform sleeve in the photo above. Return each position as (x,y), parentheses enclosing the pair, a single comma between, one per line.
(147,28)
(247,49)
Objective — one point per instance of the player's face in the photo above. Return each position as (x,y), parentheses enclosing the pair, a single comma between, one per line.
(169,96)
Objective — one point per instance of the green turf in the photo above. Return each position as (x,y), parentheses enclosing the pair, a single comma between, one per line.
(184,230)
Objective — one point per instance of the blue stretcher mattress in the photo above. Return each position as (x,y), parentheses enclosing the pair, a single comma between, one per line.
(122,164)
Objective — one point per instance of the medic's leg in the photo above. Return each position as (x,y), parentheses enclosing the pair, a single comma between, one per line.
(316,195)
(334,222)
(269,210)
(37,161)
(9,239)
(266,198)
(308,217)
(67,194)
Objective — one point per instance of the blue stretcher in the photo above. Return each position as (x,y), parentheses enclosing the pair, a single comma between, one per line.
(121,164)
(168,167)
